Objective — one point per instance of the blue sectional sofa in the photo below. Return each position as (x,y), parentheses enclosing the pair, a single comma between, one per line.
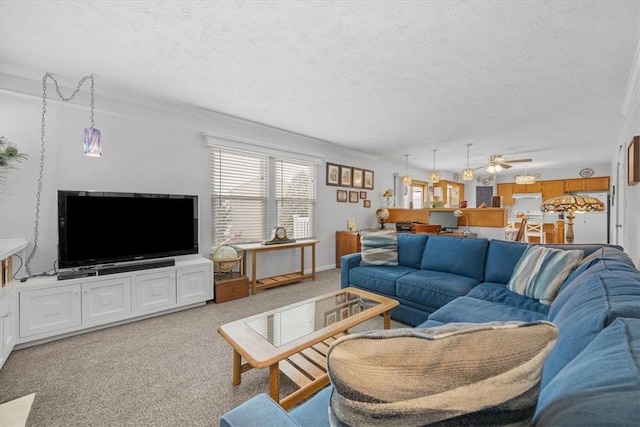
(592,375)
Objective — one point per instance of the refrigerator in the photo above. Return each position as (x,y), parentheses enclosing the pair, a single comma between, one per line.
(592,227)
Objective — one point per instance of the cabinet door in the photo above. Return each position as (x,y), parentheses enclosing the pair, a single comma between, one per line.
(155,291)
(573,185)
(552,189)
(106,300)
(506,191)
(536,187)
(600,183)
(194,285)
(49,310)
(347,242)
(8,324)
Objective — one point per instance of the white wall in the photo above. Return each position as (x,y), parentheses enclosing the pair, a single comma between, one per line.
(159,148)
(155,149)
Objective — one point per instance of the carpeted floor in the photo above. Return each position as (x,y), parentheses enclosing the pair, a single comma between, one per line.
(172,370)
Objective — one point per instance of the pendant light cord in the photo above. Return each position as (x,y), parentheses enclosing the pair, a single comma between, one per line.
(42,151)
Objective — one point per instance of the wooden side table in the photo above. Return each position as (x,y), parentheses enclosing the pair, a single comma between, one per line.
(280,279)
(347,242)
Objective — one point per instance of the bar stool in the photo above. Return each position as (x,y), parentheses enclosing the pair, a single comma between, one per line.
(535,230)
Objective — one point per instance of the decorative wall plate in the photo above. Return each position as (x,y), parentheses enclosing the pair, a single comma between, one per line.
(486,181)
(586,172)
(456,177)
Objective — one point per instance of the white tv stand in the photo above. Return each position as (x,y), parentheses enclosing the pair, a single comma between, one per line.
(50,309)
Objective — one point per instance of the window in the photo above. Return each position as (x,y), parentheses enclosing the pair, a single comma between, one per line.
(251,193)
(296,197)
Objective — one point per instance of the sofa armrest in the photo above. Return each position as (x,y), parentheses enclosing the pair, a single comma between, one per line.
(347,262)
(255,412)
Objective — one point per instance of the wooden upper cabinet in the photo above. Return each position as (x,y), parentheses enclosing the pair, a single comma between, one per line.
(587,184)
(506,191)
(532,188)
(552,189)
(571,185)
(599,183)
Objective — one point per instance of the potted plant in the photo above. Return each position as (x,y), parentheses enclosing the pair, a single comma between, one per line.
(9,156)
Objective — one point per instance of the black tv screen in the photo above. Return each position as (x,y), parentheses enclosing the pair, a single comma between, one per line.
(96,228)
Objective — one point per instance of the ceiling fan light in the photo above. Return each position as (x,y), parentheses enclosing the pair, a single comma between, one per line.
(467,174)
(491,169)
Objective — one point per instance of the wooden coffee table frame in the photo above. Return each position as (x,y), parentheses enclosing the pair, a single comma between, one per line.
(302,360)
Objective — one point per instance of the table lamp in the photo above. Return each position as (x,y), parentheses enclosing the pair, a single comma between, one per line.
(572,203)
(458,213)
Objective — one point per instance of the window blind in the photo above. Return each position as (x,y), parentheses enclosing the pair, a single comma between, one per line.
(296,197)
(239,196)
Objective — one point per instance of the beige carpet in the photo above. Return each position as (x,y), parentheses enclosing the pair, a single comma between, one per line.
(16,412)
(171,370)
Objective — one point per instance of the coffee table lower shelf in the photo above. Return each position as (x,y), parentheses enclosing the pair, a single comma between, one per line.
(307,369)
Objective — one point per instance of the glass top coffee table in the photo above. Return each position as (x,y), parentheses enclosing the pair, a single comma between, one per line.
(294,339)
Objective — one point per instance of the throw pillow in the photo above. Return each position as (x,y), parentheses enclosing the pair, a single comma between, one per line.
(540,272)
(455,374)
(379,248)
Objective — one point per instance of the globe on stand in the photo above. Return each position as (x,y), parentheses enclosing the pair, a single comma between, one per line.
(225,259)
(382,214)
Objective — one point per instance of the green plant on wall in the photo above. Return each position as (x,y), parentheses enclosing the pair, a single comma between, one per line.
(9,156)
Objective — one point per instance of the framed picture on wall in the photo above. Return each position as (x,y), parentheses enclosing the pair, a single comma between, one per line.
(363,195)
(353,197)
(633,161)
(333,174)
(341,195)
(357,178)
(345,176)
(367,179)
(367,203)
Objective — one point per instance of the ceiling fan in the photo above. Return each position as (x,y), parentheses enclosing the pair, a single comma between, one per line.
(498,163)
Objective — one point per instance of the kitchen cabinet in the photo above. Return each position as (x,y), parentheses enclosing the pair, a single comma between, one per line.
(506,191)
(552,189)
(452,192)
(587,184)
(573,185)
(597,184)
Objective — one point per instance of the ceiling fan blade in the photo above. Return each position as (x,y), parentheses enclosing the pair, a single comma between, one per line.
(504,165)
(518,161)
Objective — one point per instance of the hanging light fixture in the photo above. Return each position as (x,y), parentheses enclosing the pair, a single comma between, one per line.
(525,179)
(467,174)
(406,179)
(434,176)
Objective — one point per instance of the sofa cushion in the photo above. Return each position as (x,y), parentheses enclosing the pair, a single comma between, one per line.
(312,413)
(604,253)
(433,288)
(379,247)
(410,249)
(467,309)
(498,293)
(411,376)
(593,302)
(456,255)
(601,386)
(502,257)
(380,279)
(541,271)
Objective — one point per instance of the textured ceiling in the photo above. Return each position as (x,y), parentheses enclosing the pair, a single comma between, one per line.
(540,79)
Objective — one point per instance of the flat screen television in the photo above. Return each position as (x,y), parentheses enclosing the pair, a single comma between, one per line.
(445,219)
(96,228)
